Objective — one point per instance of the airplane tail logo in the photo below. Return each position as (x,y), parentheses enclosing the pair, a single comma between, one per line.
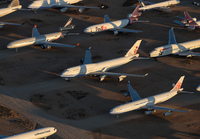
(14,3)
(133,49)
(133,17)
(178,84)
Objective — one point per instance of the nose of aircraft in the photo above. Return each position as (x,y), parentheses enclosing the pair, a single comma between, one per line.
(9,46)
(86,30)
(111,111)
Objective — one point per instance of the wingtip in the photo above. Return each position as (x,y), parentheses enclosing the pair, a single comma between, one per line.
(77,44)
(35,26)
(128,82)
(146,74)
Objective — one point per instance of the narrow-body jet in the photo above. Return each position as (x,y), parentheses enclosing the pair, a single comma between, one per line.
(174,48)
(101,68)
(188,22)
(160,5)
(12,7)
(149,102)
(45,41)
(116,26)
(35,134)
(63,4)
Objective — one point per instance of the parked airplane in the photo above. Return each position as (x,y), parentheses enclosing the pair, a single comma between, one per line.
(174,48)
(160,5)
(35,134)
(116,26)
(63,4)
(45,41)
(149,102)
(12,7)
(198,88)
(101,68)
(188,21)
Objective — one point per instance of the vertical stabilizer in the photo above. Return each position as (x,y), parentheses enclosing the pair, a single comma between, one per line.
(135,13)
(14,3)
(178,84)
(35,32)
(133,49)
(69,22)
(187,16)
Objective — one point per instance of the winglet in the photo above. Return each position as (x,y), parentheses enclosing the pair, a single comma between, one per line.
(35,32)
(177,87)
(69,21)
(133,49)
(172,38)
(77,44)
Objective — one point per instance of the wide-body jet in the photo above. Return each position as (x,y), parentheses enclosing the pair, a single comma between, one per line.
(149,102)
(101,68)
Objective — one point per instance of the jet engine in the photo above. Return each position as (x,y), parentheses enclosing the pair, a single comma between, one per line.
(167,113)
(127,94)
(121,78)
(45,46)
(101,78)
(63,10)
(149,112)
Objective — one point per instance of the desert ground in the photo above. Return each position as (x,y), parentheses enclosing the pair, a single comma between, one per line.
(32,95)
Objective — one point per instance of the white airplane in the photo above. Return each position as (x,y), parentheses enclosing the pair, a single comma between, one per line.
(198,88)
(174,48)
(149,102)
(101,68)
(12,7)
(188,21)
(45,41)
(160,5)
(116,26)
(63,4)
(35,134)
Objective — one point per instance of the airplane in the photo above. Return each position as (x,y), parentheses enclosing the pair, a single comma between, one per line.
(63,4)
(160,5)
(35,134)
(149,102)
(116,26)
(198,88)
(12,7)
(45,41)
(101,68)
(174,48)
(188,21)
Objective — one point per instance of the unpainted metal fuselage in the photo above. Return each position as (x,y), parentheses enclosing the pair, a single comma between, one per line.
(35,40)
(175,48)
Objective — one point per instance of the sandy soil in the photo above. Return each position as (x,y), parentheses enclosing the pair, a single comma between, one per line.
(31,86)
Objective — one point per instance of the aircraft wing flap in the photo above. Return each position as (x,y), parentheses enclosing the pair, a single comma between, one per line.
(88,56)
(116,74)
(134,95)
(6,23)
(59,44)
(179,22)
(127,30)
(164,108)
(189,53)
(76,6)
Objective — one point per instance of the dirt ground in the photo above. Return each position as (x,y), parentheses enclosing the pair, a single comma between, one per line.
(30,84)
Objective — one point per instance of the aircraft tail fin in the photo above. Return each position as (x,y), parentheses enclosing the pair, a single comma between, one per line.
(14,3)
(135,13)
(187,16)
(35,32)
(133,49)
(67,26)
(177,87)
(141,3)
(172,38)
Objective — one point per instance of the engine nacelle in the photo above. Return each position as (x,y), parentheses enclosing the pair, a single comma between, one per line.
(63,10)
(149,112)
(121,78)
(127,94)
(115,32)
(167,113)
(81,10)
(101,78)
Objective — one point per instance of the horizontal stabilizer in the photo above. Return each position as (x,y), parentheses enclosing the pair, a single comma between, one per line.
(59,44)
(6,23)
(164,108)
(179,22)
(185,92)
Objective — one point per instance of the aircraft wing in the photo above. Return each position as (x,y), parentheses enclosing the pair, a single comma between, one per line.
(116,74)
(188,53)
(75,6)
(5,23)
(127,30)
(148,2)
(179,22)
(88,56)
(164,108)
(164,8)
(134,95)
(58,44)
